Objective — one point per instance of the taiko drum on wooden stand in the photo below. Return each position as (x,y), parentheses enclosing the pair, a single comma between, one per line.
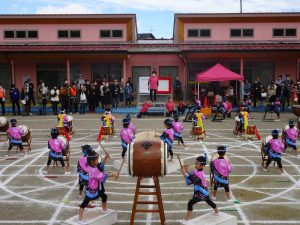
(147,158)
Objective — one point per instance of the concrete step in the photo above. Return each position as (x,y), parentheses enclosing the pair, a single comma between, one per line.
(95,217)
(211,219)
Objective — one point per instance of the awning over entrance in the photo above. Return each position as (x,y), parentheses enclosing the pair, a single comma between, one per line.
(217,73)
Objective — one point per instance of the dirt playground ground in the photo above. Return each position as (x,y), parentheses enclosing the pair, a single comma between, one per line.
(28,197)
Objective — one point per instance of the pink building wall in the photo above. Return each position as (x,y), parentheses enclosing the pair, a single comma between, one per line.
(48,33)
(23,71)
(221,31)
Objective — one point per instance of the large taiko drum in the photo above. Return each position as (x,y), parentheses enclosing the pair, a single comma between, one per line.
(197,131)
(147,156)
(26,133)
(70,124)
(4,125)
(66,149)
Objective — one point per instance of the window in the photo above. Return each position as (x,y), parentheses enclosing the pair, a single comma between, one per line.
(75,33)
(205,33)
(241,32)
(111,33)
(290,32)
(9,34)
(104,33)
(199,33)
(32,34)
(63,34)
(21,34)
(280,32)
(193,33)
(117,33)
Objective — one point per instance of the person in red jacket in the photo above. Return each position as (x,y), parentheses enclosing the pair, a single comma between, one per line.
(145,107)
(153,85)
(170,107)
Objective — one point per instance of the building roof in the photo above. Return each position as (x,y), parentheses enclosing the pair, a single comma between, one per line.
(147,36)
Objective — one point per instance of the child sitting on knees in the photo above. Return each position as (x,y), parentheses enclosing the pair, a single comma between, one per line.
(93,189)
(15,136)
(145,107)
(274,149)
(181,107)
(197,178)
(221,168)
(170,107)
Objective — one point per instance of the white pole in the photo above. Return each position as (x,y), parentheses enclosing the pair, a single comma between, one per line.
(198,90)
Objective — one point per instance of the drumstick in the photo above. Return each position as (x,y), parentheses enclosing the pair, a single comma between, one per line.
(104,150)
(180,163)
(119,170)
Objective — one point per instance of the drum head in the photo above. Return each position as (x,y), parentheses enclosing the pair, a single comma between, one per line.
(24,128)
(3,121)
(69,118)
(268,138)
(63,139)
(237,118)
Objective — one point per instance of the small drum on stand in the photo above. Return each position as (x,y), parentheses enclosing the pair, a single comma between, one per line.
(211,175)
(4,125)
(66,150)
(61,130)
(26,137)
(250,132)
(198,133)
(106,132)
(70,124)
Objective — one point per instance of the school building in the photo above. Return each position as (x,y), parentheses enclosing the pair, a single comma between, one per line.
(57,47)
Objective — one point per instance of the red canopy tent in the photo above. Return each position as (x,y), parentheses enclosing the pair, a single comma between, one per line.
(217,73)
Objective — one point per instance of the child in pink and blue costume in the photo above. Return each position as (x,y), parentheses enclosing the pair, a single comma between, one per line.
(178,128)
(201,193)
(126,135)
(93,189)
(221,168)
(274,149)
(15,136)
(82,168)
(291,136)
(131,125)
(168,136)
(56,147)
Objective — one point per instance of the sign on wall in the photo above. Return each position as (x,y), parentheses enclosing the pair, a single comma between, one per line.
(164,85)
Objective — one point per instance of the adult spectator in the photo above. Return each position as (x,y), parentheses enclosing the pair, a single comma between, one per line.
(286,92)
(102,86)
(298,90)
(129,80)
(115,90)
(256,87)
(80,81)
(42,99)
(15,99)
(272,91)
(106,96)
(25,99)
(73,98)
(2,99)
(82,99)
(247,89)
(92,98)
(54,98)
(279,84)
(128,94)
(153,85)
(97,91)
(31,92)
(261,97)
(64,96)
(177,87)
